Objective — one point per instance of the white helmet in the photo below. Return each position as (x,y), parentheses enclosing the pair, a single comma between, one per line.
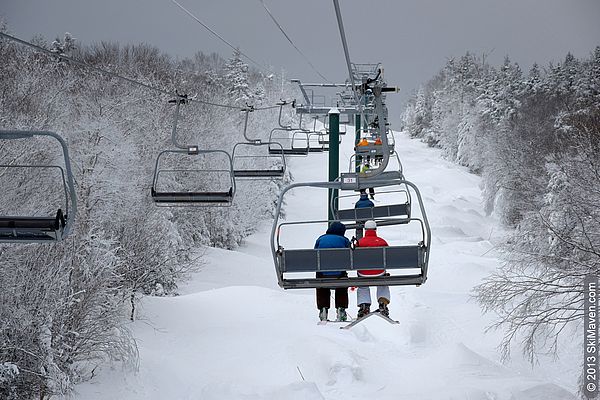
(370,224)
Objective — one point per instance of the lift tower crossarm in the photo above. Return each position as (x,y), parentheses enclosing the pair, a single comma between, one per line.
(328,85)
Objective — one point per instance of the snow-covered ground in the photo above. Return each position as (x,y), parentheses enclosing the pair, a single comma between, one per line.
(234,334)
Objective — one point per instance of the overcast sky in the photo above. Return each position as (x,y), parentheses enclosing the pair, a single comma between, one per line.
(413,39)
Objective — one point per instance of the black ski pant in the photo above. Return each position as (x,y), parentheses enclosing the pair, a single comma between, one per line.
(323,299)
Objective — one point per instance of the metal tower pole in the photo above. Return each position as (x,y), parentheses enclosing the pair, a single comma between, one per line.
(357,128)
(334,159)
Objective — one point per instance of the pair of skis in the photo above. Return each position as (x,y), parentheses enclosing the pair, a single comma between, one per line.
(361,319)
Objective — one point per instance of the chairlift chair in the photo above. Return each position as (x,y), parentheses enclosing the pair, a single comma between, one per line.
(294,145)
(314,143)
(269,166)
(44,229)
(346,119)
(324,138)
(390,172)
(173,198)
(405,265)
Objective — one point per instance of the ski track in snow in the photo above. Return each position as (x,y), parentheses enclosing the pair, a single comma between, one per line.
(234,334)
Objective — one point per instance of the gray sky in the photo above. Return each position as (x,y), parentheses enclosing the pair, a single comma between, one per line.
(412,39)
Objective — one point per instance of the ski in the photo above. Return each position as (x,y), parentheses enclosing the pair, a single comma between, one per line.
(332,322)
(359,320)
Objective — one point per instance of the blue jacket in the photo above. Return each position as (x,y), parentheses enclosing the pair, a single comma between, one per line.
(333,239)
(364,202)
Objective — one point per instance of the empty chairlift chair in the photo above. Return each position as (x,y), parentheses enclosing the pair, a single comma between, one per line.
(291,142)
(345,120)
(314,143)
(257,166)
(405,264)
(284,138)
(196,178)
(248,160)
(47,228)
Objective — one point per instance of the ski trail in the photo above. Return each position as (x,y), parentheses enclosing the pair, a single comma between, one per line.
(234,334)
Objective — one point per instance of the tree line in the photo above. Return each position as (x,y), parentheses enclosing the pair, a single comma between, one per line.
(64,307)
(535,140)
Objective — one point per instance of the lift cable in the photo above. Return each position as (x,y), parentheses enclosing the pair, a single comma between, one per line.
(223,39)
(290,40)
(129,80)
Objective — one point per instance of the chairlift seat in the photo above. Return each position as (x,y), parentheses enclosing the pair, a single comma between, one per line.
(289,152)
(34,229)
(193,197)
(258,173)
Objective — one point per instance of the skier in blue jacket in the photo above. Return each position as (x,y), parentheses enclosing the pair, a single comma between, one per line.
(363,202)
(333,238)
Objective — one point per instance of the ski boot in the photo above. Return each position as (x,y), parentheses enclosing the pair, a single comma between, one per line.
(323,313)
(383,308)
(341,315)
(363,309)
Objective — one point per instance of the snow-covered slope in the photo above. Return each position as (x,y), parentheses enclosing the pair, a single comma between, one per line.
(234,334)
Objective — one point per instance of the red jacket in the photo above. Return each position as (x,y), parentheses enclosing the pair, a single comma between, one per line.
(371,240)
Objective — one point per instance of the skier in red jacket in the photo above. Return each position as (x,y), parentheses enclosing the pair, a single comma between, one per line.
(364,293)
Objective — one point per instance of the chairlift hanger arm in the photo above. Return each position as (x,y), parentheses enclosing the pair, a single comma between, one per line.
(324,85)
(247,112)
(304,94)
(286,127)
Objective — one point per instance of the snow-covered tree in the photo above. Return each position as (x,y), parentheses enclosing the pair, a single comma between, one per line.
(236,76)
(535,140)
(54,331)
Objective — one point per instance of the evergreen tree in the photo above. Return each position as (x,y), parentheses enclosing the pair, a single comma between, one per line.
(236,76)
